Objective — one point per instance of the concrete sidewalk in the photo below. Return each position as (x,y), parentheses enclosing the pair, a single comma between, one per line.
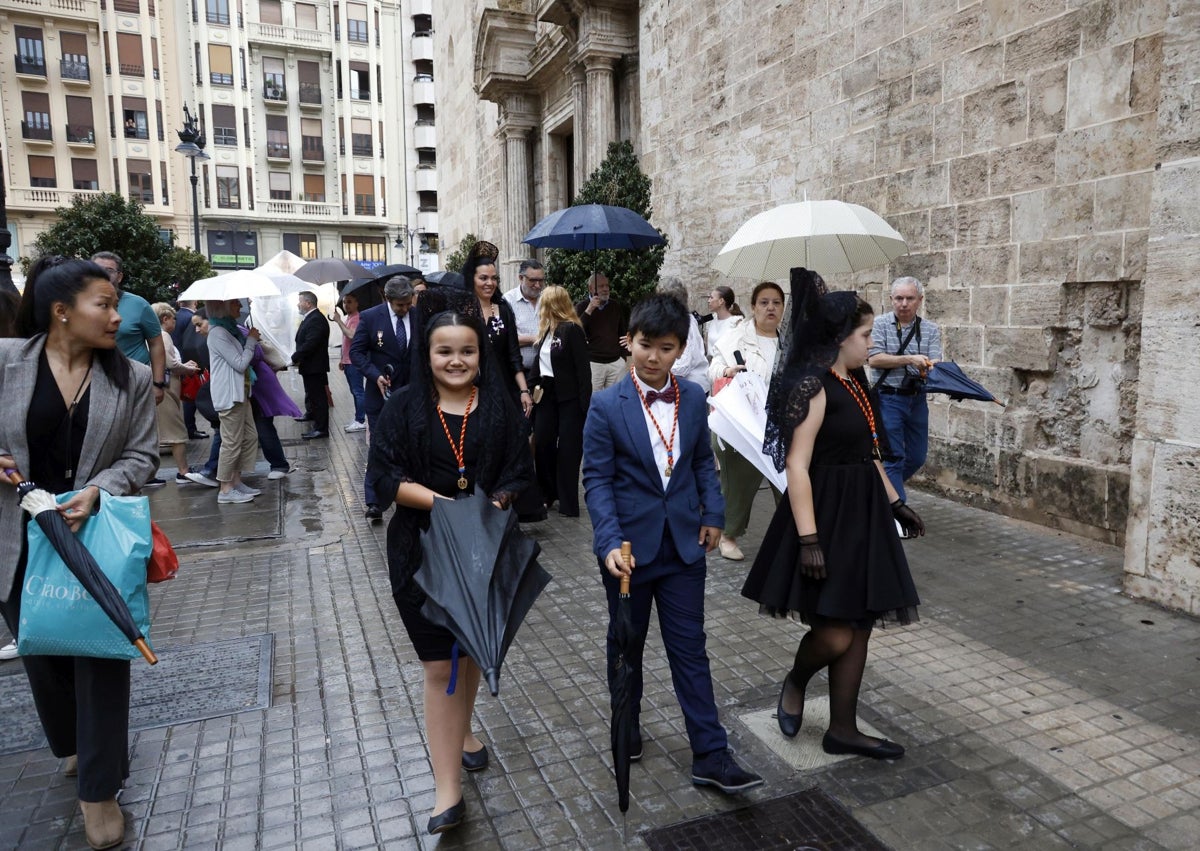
(1041,708)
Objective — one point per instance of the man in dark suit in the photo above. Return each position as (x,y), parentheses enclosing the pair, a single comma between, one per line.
(382,349)
(184,337)
(311,359)
(649,478)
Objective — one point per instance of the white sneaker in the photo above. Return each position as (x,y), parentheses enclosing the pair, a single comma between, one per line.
(278,474)
(242,487)
(355,425)
(9,651)
(232,497)
(201,479)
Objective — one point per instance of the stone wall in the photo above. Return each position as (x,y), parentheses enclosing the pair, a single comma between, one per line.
(1011,144)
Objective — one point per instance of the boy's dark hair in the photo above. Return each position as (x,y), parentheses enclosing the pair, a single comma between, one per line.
(660,315)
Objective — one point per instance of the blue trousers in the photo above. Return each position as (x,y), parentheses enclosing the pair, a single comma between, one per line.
(678,591)
(355,379)
(906,420)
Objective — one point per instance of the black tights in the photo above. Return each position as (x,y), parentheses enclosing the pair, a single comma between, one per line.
(843,649)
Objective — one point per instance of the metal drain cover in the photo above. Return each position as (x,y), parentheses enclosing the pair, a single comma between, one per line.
(189,683)
(803,821)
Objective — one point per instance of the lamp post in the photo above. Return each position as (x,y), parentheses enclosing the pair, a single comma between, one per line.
(191,145)
(6,281)
(417,244)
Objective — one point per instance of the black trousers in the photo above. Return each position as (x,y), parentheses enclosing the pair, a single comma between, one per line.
(83,704)
(316,403)
(558,448)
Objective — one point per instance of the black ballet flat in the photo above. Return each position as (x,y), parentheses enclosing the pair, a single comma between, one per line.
(883,750)
(789,724)
(475,761)
(448,819)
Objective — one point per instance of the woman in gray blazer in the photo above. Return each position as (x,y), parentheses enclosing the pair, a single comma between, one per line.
(77,415)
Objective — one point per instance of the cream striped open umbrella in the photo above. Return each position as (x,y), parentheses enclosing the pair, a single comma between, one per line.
(829,237)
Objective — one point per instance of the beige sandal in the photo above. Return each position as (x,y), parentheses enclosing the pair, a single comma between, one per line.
(103,823)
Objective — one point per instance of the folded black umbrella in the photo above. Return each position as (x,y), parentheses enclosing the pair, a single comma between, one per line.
(480,576)
(946,377)
(621,694)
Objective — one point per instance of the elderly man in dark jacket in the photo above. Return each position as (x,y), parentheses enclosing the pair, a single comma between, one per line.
(311,359)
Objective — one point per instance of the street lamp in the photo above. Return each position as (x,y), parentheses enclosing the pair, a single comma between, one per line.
(417,243)
(191,145)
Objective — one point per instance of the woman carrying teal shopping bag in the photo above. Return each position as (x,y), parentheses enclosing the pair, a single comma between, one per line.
(77,416)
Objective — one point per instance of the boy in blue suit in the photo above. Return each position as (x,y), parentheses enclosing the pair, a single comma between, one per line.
(649,479)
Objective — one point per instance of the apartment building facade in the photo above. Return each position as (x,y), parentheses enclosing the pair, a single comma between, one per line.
(318,121)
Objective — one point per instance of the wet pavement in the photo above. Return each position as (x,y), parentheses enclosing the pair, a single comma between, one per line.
(1040,707)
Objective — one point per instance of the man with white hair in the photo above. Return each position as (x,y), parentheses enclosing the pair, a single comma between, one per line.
(903,347)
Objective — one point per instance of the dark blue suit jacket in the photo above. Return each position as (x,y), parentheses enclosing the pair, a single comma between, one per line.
(374,348)
(623,488)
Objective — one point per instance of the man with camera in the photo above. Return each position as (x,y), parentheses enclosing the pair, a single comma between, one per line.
(903,348)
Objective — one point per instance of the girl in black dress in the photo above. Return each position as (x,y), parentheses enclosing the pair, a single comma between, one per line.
(453,421)
(831,556)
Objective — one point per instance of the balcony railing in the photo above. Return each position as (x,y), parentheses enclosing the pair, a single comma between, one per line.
(224,136)
(310,93)
(279,150)
(360,94)
(361,150)
(364,205)
(82,134)
(73,69)
(46,199)
(38,130)
(274,91)
(217,17)
(219,79)
(35,65)
(313,151)
(137,133)
(304,210)
(290,36)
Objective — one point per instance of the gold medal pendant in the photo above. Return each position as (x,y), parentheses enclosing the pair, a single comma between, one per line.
(668,470)
(462,483)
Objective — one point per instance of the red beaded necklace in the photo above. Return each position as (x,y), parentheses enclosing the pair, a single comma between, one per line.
(460,448)
(864,404)
(670,444)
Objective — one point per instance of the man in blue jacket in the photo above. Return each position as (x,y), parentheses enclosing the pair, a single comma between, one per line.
(649,479)
(382,350)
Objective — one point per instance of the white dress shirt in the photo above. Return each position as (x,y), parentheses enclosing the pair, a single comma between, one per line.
(664,414)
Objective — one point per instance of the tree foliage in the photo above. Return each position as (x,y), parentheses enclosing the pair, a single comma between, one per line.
(620,182)
(459,255)
(155,270)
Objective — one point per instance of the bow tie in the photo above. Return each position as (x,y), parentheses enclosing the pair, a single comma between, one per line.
(665,395)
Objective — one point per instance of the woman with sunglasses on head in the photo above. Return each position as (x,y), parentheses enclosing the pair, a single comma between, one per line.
(831,556)
(452,430)
(77,416)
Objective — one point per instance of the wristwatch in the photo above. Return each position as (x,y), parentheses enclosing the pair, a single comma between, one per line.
(162,384)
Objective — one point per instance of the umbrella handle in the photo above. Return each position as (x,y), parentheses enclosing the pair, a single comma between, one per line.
(626,552)
(145,650)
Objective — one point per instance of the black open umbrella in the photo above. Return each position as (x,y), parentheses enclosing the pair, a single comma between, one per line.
(43,508)
(946,377)
(621,697)
(480,575)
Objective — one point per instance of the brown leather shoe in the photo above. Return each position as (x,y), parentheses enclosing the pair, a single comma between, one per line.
(71,766)
(103,823)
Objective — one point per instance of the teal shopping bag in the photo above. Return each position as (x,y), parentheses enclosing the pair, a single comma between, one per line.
(58,617)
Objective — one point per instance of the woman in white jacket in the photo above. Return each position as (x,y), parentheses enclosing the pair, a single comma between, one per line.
(757,341)
(230,352)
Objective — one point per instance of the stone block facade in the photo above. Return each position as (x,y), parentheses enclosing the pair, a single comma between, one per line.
(1038,157)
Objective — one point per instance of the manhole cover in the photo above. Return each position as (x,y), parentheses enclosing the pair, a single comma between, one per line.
(797,822)
(188,684)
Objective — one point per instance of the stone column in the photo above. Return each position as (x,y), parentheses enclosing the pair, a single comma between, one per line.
(601,109)
(518,205)
(579,105)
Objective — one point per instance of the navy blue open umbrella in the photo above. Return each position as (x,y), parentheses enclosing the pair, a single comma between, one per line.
(946,377)
(589,227)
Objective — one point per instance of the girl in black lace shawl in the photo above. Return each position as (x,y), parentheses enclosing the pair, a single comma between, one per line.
(831,556)
(412,458)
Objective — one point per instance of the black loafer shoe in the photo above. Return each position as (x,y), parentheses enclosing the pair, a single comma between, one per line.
(373,513)
(883,750)
(475,761)
(789,724)
(448,819)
